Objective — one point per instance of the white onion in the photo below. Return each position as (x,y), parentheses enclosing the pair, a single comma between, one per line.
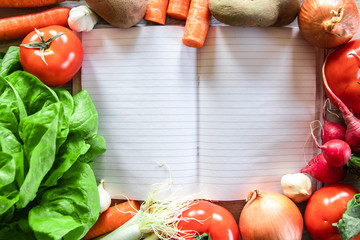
(328,23)
(270,216)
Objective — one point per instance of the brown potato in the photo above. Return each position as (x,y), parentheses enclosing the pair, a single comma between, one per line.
(119,13)
(255,13)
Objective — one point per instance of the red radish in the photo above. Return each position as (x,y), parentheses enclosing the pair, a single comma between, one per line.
(321,170)
(331,130)
(352,134)
(336,151)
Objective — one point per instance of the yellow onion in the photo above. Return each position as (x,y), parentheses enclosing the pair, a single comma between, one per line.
(270,216)
(328,23)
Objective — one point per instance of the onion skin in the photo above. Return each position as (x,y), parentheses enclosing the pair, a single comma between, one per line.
(315,26)
(270,216)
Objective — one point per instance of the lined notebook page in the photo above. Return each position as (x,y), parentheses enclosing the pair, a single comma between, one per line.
(257,97)
(219,120)
(143,84)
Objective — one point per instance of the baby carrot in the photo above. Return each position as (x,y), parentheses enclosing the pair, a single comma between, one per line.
(156,11)
(197,24)
(178,9)
(19,26)
(27,3)
(113,218)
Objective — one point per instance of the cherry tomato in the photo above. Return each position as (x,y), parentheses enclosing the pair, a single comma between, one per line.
(325,207)
(342,74)
(206,217)
(62,57)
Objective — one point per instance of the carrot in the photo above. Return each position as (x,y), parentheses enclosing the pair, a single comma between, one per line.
(197,23)
(19,26)
(27,3)
(156,11)
(178,9)
(113,218)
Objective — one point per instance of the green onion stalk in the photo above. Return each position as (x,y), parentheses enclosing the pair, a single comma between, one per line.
(156,219)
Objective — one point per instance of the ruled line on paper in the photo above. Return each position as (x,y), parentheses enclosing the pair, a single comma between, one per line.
(248,155)
(210,160)
(286,147)
(130,157)
(185,171)
(128,183)
(139,160)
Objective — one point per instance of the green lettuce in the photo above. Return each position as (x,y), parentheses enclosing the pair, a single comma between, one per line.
(349,224)
(48,139)
(67,209)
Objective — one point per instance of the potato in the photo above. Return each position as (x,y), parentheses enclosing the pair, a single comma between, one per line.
(119,13)
(288,11)
(255,13)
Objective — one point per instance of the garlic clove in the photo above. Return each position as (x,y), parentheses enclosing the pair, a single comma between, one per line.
(82,19)
(297,187)
(105,199)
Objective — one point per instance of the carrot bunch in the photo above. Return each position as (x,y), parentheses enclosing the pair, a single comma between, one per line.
(196,13)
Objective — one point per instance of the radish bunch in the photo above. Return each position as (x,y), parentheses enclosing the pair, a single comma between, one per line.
(338,144)
(330,165)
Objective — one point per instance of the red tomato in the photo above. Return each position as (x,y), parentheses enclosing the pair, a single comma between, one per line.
(342,74)
(325,207)
(206,217)
(63,55)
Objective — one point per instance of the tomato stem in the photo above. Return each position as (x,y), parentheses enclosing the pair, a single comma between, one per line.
(203,236)
(43,45)
(354,54)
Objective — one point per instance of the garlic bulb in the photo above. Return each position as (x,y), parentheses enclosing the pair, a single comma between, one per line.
(105,199)
(297,187)
(82,19)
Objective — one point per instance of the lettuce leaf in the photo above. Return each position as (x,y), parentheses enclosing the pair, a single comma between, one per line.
(39,132)
(67,210)
(48,139)
(84,121)
(349,224)
(69,153)
(10,61)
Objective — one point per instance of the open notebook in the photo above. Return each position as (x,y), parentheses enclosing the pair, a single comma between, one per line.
(220,120)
